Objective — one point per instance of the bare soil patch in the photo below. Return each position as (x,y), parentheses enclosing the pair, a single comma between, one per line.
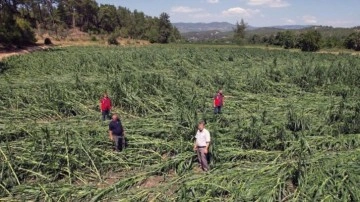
(123,42)
(152,181)
(6,53)
(75,37)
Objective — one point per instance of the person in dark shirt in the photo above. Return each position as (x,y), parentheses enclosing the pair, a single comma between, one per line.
(116,133)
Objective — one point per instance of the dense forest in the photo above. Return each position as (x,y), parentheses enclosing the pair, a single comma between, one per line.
(19,19)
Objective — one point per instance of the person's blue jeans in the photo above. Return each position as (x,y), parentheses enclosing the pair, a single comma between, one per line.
(105,115)
(217,110)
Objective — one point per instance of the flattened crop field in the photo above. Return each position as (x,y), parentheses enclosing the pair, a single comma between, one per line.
(290,128)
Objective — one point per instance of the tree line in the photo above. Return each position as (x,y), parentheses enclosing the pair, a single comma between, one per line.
(19,19)
(310,39)
(307,40)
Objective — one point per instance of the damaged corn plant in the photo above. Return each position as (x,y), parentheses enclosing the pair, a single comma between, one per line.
(290,128)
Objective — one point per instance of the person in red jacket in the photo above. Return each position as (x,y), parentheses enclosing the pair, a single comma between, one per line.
(218,102)
(105,107)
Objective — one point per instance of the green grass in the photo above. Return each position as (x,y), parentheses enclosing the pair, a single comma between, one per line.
(290,128)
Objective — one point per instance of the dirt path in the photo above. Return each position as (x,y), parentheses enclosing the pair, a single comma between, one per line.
(5,54)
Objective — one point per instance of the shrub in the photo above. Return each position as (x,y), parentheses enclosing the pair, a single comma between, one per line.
(353,41)
(93,38)
(47,41)
(17,32)
(27,35)
(112,40)
(310,41)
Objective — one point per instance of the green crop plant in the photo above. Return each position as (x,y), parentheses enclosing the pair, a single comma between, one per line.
(289,130)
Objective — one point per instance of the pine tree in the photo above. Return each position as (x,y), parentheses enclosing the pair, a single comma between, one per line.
(239,32)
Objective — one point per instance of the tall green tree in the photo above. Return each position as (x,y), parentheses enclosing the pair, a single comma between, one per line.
(175,34)
(78,13)
(164,28)
(86,11)
(239,32)
(152,30)
(66,12)
(125,18)
(14,30)
(40,13)
(107,18)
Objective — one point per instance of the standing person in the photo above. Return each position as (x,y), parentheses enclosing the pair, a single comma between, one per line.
(105,107)
(201,145)
(116,133)
(218,102)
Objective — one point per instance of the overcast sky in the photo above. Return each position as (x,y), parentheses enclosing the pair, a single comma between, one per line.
(337,13)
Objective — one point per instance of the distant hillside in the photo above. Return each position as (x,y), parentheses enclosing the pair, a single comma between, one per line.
(224,27)
(211,35)
(293,27)
(224,31)
(199,27)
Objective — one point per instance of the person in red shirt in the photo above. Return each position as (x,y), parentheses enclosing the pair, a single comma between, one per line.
(218,102)
(105,107)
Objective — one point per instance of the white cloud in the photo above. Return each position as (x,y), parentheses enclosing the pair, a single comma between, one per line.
(213,1)
(269,3)
(185,9)
(240,11)
(192,14)
(201,16)
(290,21)
(309,19)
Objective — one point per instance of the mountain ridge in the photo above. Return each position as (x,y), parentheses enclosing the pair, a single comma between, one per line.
(185,27)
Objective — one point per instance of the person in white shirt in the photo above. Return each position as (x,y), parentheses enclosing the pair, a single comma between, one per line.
(201,145)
